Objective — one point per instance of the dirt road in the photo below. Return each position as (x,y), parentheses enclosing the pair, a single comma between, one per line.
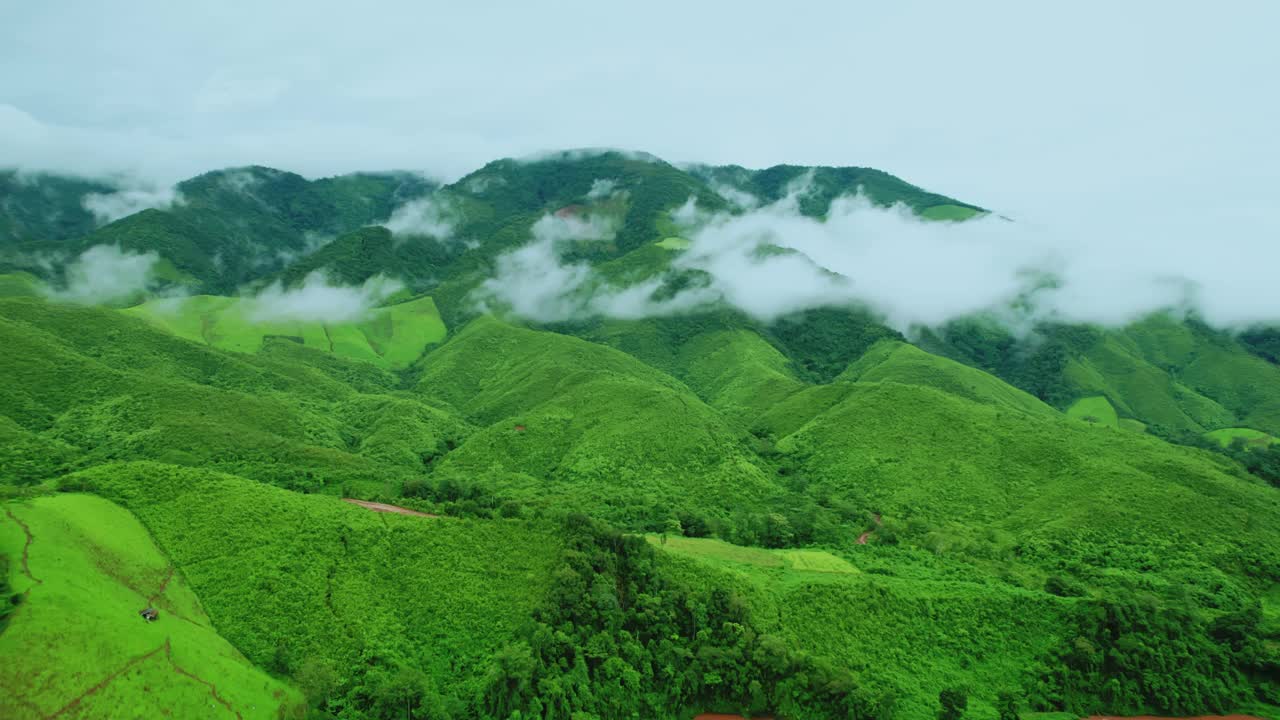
(383,507)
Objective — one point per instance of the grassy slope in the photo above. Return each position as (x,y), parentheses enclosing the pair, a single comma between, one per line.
(736,372)
(1172,374)
(19,284)
(114,388)
(899,362)
(391,336)
(599,427)
(962,469)
(921,626)
(948,212)
(288,577)
(1225,436)
(1095,410)
(79,627)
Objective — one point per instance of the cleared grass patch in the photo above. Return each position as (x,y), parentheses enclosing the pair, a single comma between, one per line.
(1133,425)
(674,243)
(718,551)
(1251,437)
(392,336)
(1095,410)
(953,213)
(77,645)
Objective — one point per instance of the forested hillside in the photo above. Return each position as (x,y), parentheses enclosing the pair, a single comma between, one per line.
(640,500)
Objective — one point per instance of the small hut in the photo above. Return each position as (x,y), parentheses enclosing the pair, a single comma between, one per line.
(149,614)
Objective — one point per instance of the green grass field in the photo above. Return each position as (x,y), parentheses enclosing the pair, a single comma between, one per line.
(952,213)
(1251,437)
(1095,410)
(392,336)
(77,647)
(723,554)
(674,243)
(20,285)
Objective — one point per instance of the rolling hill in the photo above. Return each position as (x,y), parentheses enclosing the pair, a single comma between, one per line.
(808,517)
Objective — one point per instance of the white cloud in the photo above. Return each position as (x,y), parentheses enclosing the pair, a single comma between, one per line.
(428,215)
(317,300)
(106,274)
(773,261)
(601,188)
(738,198)
(532,282)
(109,207)
(557,229)
(1106,270)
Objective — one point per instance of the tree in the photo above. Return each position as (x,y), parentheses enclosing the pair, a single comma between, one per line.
(778,532)
(408,694)
(952,703)
(1007,705)
(317,679)
(671,527)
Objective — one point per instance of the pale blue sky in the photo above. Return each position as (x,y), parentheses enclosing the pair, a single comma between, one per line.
(1013,105)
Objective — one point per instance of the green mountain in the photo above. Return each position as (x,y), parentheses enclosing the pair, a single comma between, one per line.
(1176,377)
(224,229)
(818,186)
(808,517)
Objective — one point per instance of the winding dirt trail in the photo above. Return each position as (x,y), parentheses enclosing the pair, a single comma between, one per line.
(151,601)
(213,690)
(26,547)
(383,507)
(167,649)
(862,539)
(104,682)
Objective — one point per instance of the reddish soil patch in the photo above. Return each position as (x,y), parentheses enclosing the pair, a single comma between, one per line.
(862,539)
(163,586)
(383,507)
(569,211)
(520,428)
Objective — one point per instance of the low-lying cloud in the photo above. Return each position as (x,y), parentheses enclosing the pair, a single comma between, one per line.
(107,274)
(318,300)
(109,207)
(534,282)
(601,188)
(771,261)
(425,216)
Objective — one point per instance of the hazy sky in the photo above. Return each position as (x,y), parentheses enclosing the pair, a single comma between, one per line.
(1013,105)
